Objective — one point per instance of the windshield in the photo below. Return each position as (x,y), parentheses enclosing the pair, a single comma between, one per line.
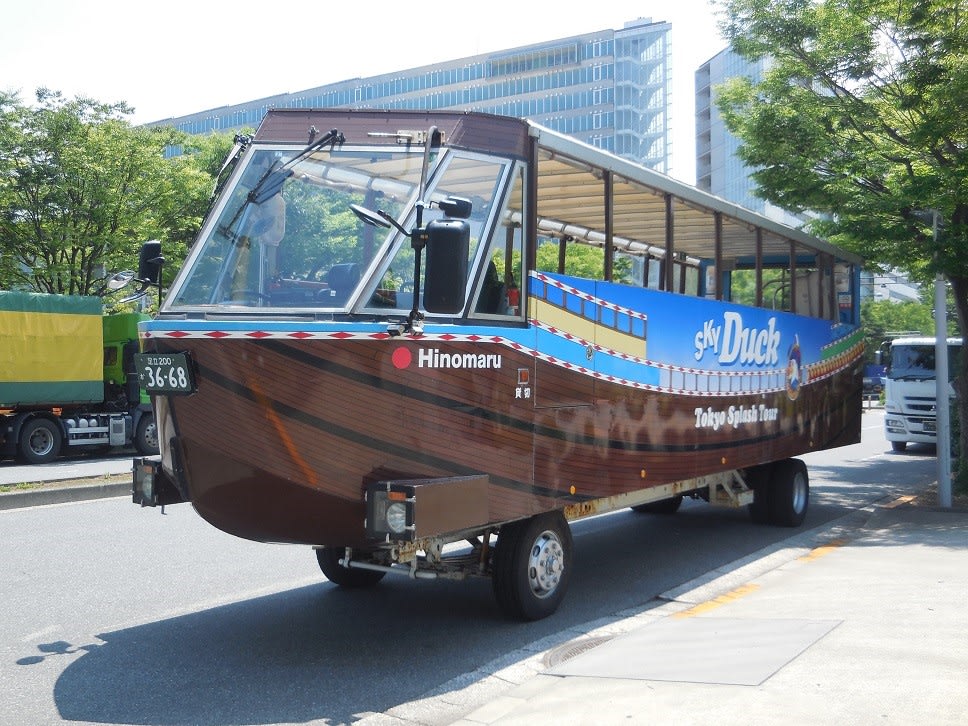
(286,236)
(917,361)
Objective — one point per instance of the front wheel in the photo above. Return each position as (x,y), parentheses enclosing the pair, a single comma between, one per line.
(532,566)
(898,446)
(328,559)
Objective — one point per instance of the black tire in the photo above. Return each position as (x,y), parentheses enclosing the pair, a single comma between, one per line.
(146,435)
(663,506)
(328,559)
(898,446)
(790,496)
(40,441)
(532,565)
(758,479)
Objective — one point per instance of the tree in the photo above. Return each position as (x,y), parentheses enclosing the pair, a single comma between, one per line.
(857,117)
(81,189)
(881,317)
(583,260)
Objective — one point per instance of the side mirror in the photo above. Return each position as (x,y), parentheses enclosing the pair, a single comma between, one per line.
(150,262)
(448,245)
(118,280)
(367,217)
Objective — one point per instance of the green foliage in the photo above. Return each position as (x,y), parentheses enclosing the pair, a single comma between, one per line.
(580,260)
(312,248)
(81,189)
(858,118)
(853,118)
(775,288)
(880,317)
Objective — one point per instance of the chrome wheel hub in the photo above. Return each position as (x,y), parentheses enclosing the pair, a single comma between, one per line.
(546,564)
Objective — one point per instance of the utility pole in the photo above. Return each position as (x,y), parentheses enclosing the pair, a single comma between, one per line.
(942,404)
(941,401)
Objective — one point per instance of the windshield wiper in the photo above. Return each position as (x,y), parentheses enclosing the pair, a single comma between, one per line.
(271,181)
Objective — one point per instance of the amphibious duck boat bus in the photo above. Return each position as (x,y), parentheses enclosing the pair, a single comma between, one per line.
(430,328)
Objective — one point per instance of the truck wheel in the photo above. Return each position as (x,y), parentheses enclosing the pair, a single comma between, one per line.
(146,436)
(40,441)
(791,493)
(663,506)
(328,559)
(532,565)
(758,479)
(898,445)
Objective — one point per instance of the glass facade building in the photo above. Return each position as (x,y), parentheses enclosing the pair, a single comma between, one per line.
(719,170)
(610,89)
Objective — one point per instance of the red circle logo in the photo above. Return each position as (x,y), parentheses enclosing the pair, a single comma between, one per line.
(402,358)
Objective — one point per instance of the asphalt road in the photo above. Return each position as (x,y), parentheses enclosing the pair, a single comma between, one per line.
(74,467)
(119,615)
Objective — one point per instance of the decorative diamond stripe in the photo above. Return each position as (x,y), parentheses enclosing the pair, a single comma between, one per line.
(813,372)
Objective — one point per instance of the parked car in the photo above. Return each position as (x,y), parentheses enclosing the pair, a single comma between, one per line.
(873,385)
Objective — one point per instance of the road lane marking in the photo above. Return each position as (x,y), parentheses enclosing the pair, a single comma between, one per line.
(731,596)
(906,499)
(817,552)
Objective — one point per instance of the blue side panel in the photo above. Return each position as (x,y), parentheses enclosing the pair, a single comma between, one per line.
(692,332)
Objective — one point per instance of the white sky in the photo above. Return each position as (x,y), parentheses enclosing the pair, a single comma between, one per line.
(177,57)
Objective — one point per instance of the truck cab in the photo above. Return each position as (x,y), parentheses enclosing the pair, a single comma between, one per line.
(910,404)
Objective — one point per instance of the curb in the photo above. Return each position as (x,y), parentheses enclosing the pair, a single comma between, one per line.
(456,700)
(61,495)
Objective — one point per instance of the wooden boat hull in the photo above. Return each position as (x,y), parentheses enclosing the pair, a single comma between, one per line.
(287,427)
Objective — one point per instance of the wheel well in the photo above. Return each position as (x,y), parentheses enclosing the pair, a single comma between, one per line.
(25,418)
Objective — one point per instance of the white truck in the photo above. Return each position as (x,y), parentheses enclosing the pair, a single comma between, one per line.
(910,396)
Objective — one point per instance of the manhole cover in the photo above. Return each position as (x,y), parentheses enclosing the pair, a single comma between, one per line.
(571,649)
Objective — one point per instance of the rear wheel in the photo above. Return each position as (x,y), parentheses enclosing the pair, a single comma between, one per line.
(791,493)
(758,479)
(40,441)
(328,559)
(532,566)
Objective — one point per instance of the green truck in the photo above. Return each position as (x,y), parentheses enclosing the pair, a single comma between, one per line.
(67,378)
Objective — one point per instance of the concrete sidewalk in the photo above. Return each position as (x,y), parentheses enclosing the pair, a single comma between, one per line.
(865,623)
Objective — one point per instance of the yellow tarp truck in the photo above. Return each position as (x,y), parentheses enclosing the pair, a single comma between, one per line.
(67,379)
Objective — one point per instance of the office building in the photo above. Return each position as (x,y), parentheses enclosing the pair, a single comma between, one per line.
(719,170)
(609,88)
